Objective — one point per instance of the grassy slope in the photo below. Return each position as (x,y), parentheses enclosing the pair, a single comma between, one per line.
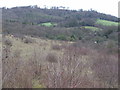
(92,28)
(41,47)
(106,23)
(101,22)
(28,49)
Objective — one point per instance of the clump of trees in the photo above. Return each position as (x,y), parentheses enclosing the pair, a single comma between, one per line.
(22,21)
(33,15)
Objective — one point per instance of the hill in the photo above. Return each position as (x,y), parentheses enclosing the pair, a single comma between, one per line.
(59,48)
(37,15)
(60,24)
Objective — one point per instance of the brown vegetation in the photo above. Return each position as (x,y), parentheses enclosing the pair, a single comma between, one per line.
(76,67)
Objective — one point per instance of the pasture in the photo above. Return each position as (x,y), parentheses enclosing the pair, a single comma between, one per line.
(106,23)
(92,28)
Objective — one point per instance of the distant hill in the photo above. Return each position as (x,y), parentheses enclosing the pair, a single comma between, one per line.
(60,24)
(35,15)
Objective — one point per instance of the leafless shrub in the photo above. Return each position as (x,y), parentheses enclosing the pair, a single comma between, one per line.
(106,69)
(7,42)
(64,73)
(36,65)
(21,78)
(36,68)
(51,57)
(9,68)
(67,73)
(16,72)
(19,73)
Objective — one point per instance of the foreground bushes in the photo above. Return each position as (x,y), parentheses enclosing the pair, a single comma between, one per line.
(80,66)
(66,73)
(106,69)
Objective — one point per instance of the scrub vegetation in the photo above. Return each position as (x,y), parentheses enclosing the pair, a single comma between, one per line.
(59,48)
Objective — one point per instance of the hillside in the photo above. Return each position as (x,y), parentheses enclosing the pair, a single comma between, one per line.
(60,24)
(37,15)
(59,48)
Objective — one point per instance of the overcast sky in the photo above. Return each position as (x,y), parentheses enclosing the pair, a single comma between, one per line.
(103,6)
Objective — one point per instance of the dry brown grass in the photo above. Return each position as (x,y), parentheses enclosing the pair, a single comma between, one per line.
(70,67)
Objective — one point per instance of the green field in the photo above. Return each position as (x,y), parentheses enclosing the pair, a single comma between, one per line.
(48,24)
(106,23)
(92,28)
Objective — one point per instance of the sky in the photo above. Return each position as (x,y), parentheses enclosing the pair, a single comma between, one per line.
(103,6)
